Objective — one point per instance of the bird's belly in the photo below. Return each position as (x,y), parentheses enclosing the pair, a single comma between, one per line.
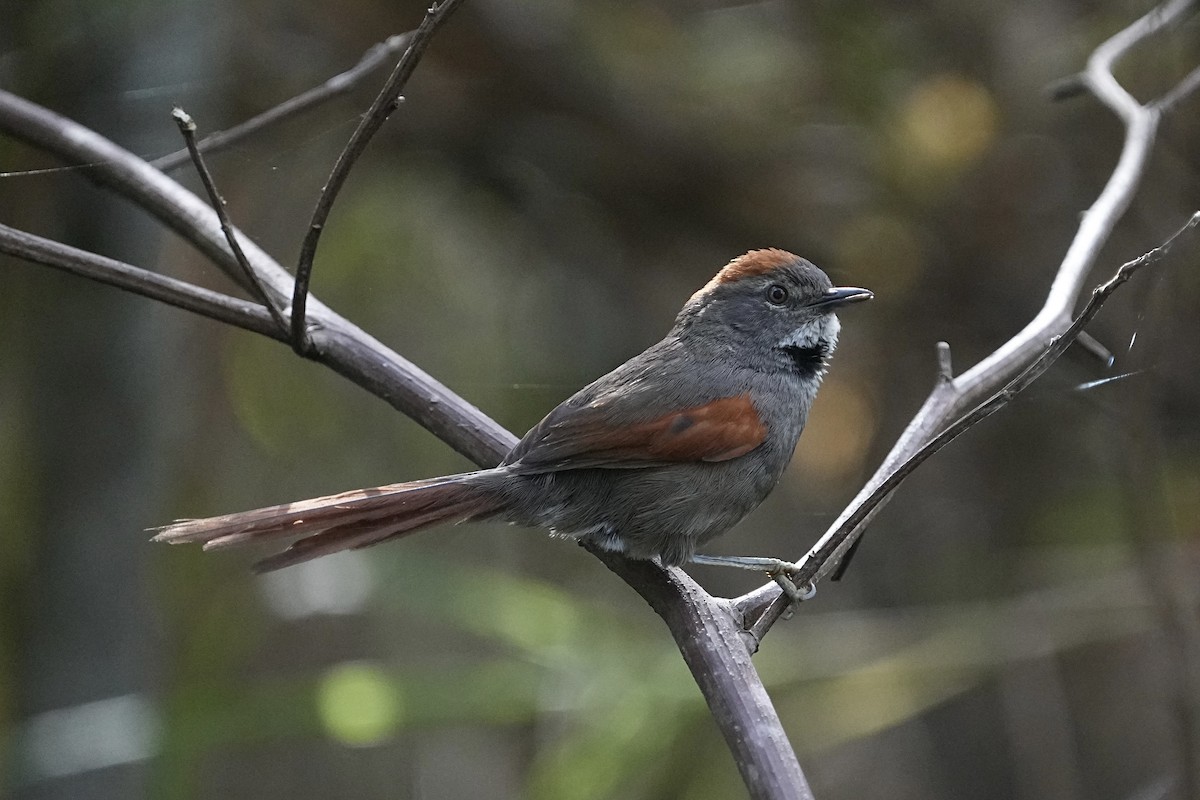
(664,511)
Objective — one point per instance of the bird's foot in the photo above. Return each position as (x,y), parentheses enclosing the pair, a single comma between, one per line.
(780,571)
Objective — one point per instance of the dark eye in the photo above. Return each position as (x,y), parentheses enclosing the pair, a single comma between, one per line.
(777,294)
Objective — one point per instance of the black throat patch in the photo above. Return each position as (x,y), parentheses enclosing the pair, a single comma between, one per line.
(807,360)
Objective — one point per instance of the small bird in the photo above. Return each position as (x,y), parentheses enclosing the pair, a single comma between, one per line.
(654,459)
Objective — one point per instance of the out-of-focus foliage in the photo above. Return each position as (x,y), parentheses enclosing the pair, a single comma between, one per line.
(560,178)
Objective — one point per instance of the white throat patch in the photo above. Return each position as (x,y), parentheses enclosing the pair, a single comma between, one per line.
(824,328)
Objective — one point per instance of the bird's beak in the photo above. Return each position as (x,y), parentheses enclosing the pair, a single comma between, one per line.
(840,296)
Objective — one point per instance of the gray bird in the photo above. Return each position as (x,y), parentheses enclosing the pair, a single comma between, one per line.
(652,460)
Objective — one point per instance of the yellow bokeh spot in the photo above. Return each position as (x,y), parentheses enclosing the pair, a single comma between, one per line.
(948,122)
(358,704)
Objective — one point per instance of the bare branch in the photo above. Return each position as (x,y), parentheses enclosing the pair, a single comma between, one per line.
(709,634)
(1066,88)
(950,400)
(385,103)
(214,305)
(187,127)
(945,362)
(707,631)
(1096,348)
(1058,345)
(339,84)
(1179,92)
(347,348)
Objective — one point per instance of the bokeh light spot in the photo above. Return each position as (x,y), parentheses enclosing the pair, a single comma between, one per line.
(358,704)
(948,122)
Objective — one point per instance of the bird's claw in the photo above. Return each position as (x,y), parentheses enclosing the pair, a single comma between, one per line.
(783,574)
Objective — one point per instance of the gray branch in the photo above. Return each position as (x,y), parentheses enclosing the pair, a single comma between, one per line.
(954,397)
(708,632)
(381,108)
(339,84)
(714,636)
(187,127)
(172,291)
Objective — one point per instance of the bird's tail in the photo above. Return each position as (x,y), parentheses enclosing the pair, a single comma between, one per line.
(345,521)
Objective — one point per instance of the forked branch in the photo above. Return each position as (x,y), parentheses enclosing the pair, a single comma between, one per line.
(708,635)
(954,398)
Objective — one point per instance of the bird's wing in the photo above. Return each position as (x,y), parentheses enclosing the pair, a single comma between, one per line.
(619,431)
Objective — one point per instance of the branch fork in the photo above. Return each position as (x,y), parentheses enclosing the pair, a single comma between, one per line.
(956,403)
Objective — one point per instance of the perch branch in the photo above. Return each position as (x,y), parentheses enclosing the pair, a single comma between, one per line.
(1057,346)
(952,399)
(707,631)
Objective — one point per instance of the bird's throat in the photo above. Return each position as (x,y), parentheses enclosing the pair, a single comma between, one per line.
(807,359)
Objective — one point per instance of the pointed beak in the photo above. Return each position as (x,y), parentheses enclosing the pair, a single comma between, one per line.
(840,296)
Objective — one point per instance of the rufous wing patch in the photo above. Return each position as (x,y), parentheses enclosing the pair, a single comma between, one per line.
(715,431)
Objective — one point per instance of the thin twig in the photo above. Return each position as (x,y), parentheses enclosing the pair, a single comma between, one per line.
(174,292)
(385,103)
(339,84)
(339,344)
(1181,90)
(187,127)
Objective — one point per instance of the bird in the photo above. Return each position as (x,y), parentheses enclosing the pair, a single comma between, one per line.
(652,460)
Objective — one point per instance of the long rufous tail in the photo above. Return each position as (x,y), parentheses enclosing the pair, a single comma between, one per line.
(345,521)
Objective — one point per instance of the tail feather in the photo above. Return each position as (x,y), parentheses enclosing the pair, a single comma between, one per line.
(302,516)
(357,535)
(342,521)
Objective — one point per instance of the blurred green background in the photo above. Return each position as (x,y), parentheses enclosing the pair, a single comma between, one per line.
(1021,620)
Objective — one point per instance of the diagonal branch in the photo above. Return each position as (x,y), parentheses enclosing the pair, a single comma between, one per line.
(1181,90)
(707,631)
(339,84)
(711,634)
(174,292)
(953,397)
(1057,346)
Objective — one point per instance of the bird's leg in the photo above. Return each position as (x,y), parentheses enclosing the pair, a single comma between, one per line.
(780,571)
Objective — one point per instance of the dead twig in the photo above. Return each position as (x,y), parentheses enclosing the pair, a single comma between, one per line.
(187,127)
(339,84)
(387,101)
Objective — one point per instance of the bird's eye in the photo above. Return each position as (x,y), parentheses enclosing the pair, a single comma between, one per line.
(777,294)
